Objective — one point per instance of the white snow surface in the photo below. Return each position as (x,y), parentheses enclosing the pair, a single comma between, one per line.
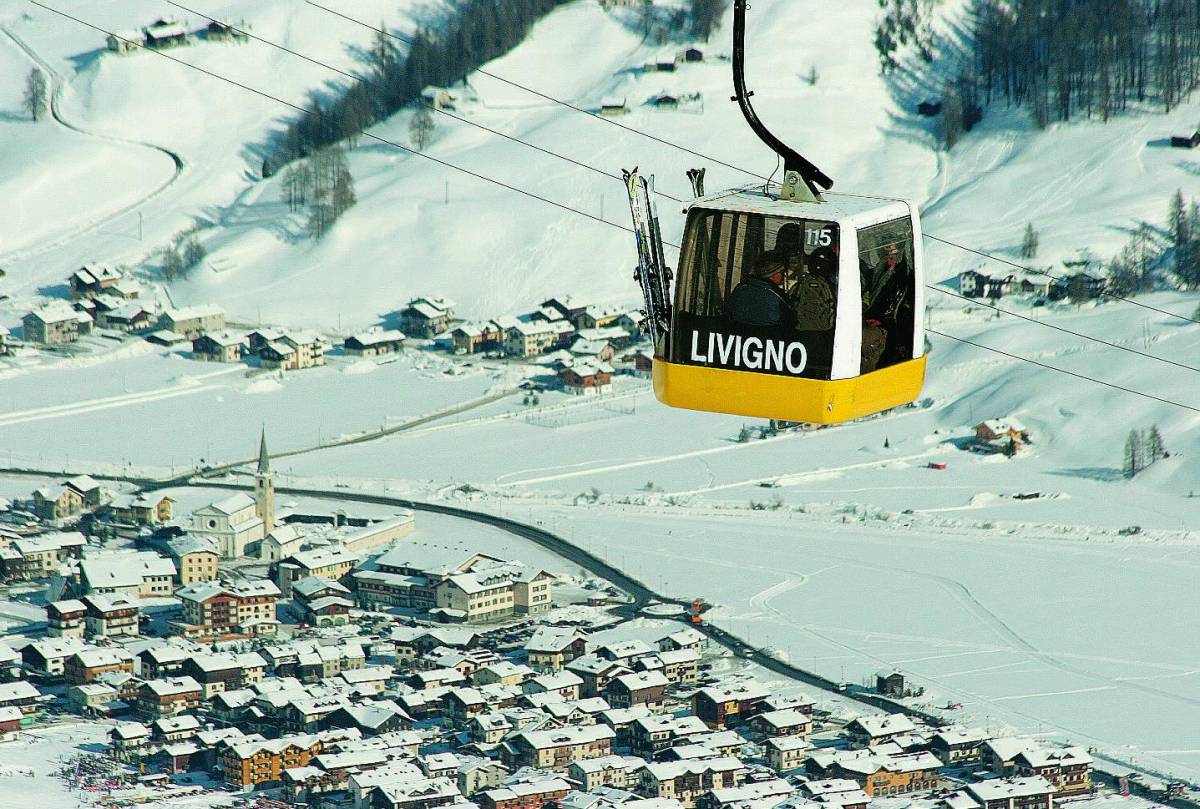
(1038,614)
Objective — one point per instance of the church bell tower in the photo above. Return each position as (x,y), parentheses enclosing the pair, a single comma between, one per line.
(264,487)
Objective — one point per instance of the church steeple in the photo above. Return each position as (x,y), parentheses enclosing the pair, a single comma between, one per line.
(264,487)
(264,460)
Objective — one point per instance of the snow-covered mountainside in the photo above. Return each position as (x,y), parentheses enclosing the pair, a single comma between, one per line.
(79,189)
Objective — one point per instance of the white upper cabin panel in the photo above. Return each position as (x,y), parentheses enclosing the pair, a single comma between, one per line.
(846,209)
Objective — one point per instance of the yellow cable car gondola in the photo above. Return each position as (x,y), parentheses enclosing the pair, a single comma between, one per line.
(801,306)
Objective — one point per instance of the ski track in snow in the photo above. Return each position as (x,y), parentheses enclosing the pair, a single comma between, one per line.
(58,84)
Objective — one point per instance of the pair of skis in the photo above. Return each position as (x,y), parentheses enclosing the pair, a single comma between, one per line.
(652,273)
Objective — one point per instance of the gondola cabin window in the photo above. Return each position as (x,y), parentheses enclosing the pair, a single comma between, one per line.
(757,293)
(885,261)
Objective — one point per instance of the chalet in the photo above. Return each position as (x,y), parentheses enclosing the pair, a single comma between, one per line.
(987,432)
(1068,769)
(294,351)
(92,280)
(597,317)
(426,317)
(954,746)
(193,321)
(663,101)
(127,318)
(974,284)
(1079,286)
(195,558)
(219,31)
(882,775)
(587,378)
(869,731)
(438,98)
(564,684)
(374,343)
(331,563)
(85,665)
(640,688)
(680,666)
(552,647)
(10,722)
(686,638)
(597,350)
(596,673)
(159,698)
(165,34)
(130,573)
(1186,141)
(650,735)
(220,346)
(124,41)
(20,695)
(215,610)
(64,619)
(47,658)
(166,338)
(1012,793)
(471,338)
(786,753)
(260,338)
(140,509)
(690,55)
(112,616)
(50,505)
(44,555)
(786,722)
(890,683)
(719,706)
(327,610)
(531,338)
(534,794)
(164,660)
(686,781)
(56,323)
(613,107)
(557,748)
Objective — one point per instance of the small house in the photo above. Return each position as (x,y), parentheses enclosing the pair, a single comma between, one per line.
(219,31)
(92,280)
(692,54)
(164,34)
(426,317)
(374,343)
(890,683)
(587,378)
(664,101)
(613,107)
(1000,430)
(222,346)
(128,318)
(1186,141)
(125,41)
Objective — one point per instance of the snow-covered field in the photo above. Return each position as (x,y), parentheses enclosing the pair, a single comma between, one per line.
(1034,613)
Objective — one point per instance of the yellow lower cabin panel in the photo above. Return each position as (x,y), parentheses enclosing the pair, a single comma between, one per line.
(787,398)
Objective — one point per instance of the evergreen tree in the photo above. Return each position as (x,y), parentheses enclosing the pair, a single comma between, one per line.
(1177,219)
(172,263)
(1154,445)
(706,16)
(421,128)
(36,94)
(952,116)
(192,252)
(1029,242)
(1134,454)
(320,219)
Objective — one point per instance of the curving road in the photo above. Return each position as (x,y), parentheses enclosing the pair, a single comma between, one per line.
(58,83)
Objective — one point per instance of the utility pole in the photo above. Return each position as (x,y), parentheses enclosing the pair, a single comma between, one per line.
(140,218)
(447,192)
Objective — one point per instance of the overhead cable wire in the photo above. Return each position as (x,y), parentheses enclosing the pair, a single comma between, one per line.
(431,107)
(300,109)
(726,164)
(1048,367)
(570,209)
